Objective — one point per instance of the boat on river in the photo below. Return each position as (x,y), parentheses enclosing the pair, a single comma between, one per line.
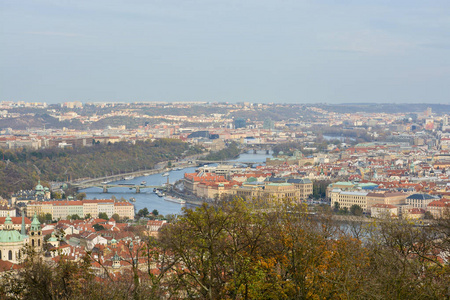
(165,174)
(174,199)
(128,177)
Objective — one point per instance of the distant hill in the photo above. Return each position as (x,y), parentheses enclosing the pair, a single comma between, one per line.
(38,121)
(385,107)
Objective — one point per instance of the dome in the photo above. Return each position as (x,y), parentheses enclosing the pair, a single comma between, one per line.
(53,238)
(39,187)
(251,179)
(10,236)
(35,224)
(35,220)
(8,220)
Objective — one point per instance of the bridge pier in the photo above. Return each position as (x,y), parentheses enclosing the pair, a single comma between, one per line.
(105,189)
(255,151)
(138,190)
(267,151)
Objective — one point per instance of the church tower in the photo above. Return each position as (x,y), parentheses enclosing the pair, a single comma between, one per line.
(35,234)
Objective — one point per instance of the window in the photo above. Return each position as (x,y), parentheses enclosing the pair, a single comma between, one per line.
(9,255)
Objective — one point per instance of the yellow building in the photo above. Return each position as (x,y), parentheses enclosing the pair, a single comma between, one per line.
(349,198)
(280,191)
(124,209)
(304,187)
(269,191)
(392,198)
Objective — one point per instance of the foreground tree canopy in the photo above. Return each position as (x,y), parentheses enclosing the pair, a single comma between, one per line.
(235,250)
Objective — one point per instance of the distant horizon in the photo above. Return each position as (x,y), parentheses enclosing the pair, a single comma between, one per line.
(228,102)
(292,51)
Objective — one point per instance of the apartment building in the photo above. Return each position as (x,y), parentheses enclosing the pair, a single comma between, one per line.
(62,209)
(303,185)
(420,200)
(280,191)
(349,198)
(382,210)
(385,197)
(124,209)
(439,208)
(271,191)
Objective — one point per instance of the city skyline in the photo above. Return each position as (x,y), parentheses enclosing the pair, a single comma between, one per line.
(254,51)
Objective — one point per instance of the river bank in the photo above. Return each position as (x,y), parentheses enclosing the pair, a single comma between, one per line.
(146,197)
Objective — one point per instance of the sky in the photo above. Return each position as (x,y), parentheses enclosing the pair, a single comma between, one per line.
(282,51)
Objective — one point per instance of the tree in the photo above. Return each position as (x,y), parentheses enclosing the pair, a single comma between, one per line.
(320,188)
(336,206)
(37,279)
(155,212)
(103,216)
(143,212)
(56,195)
(48,217)
(116,217)
(75,217)
(81,196)
(98,227)
(356,210)
(428,215)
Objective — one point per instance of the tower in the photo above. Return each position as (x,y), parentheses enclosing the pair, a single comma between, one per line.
(22,229)
(36,238)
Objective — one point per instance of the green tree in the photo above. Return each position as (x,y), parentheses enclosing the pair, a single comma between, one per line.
(75,217)
(320,188)
(155,212)
(81,196)
(143,212)
(37,279)
(356,210)
(103,216)
(428,216)
(48,217)
(116,217)
(336,206)
(98,227)
(56,195)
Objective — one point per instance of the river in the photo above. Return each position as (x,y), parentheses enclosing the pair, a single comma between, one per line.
(146,198)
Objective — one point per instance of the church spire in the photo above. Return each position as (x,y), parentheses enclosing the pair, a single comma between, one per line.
(8,223)
(35,224)
(22,230)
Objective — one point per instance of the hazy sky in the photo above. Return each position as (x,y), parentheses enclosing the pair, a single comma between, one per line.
(212,50)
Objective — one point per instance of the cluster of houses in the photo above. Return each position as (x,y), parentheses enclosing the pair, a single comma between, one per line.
(110,245)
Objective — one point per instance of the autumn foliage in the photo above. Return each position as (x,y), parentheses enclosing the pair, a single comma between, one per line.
(238,250)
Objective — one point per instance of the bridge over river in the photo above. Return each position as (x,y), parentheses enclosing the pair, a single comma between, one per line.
(131,186)
(227,162)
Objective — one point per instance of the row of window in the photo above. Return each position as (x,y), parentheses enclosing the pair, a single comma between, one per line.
(10,255)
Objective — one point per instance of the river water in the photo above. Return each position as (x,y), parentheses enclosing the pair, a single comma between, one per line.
(146,198)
